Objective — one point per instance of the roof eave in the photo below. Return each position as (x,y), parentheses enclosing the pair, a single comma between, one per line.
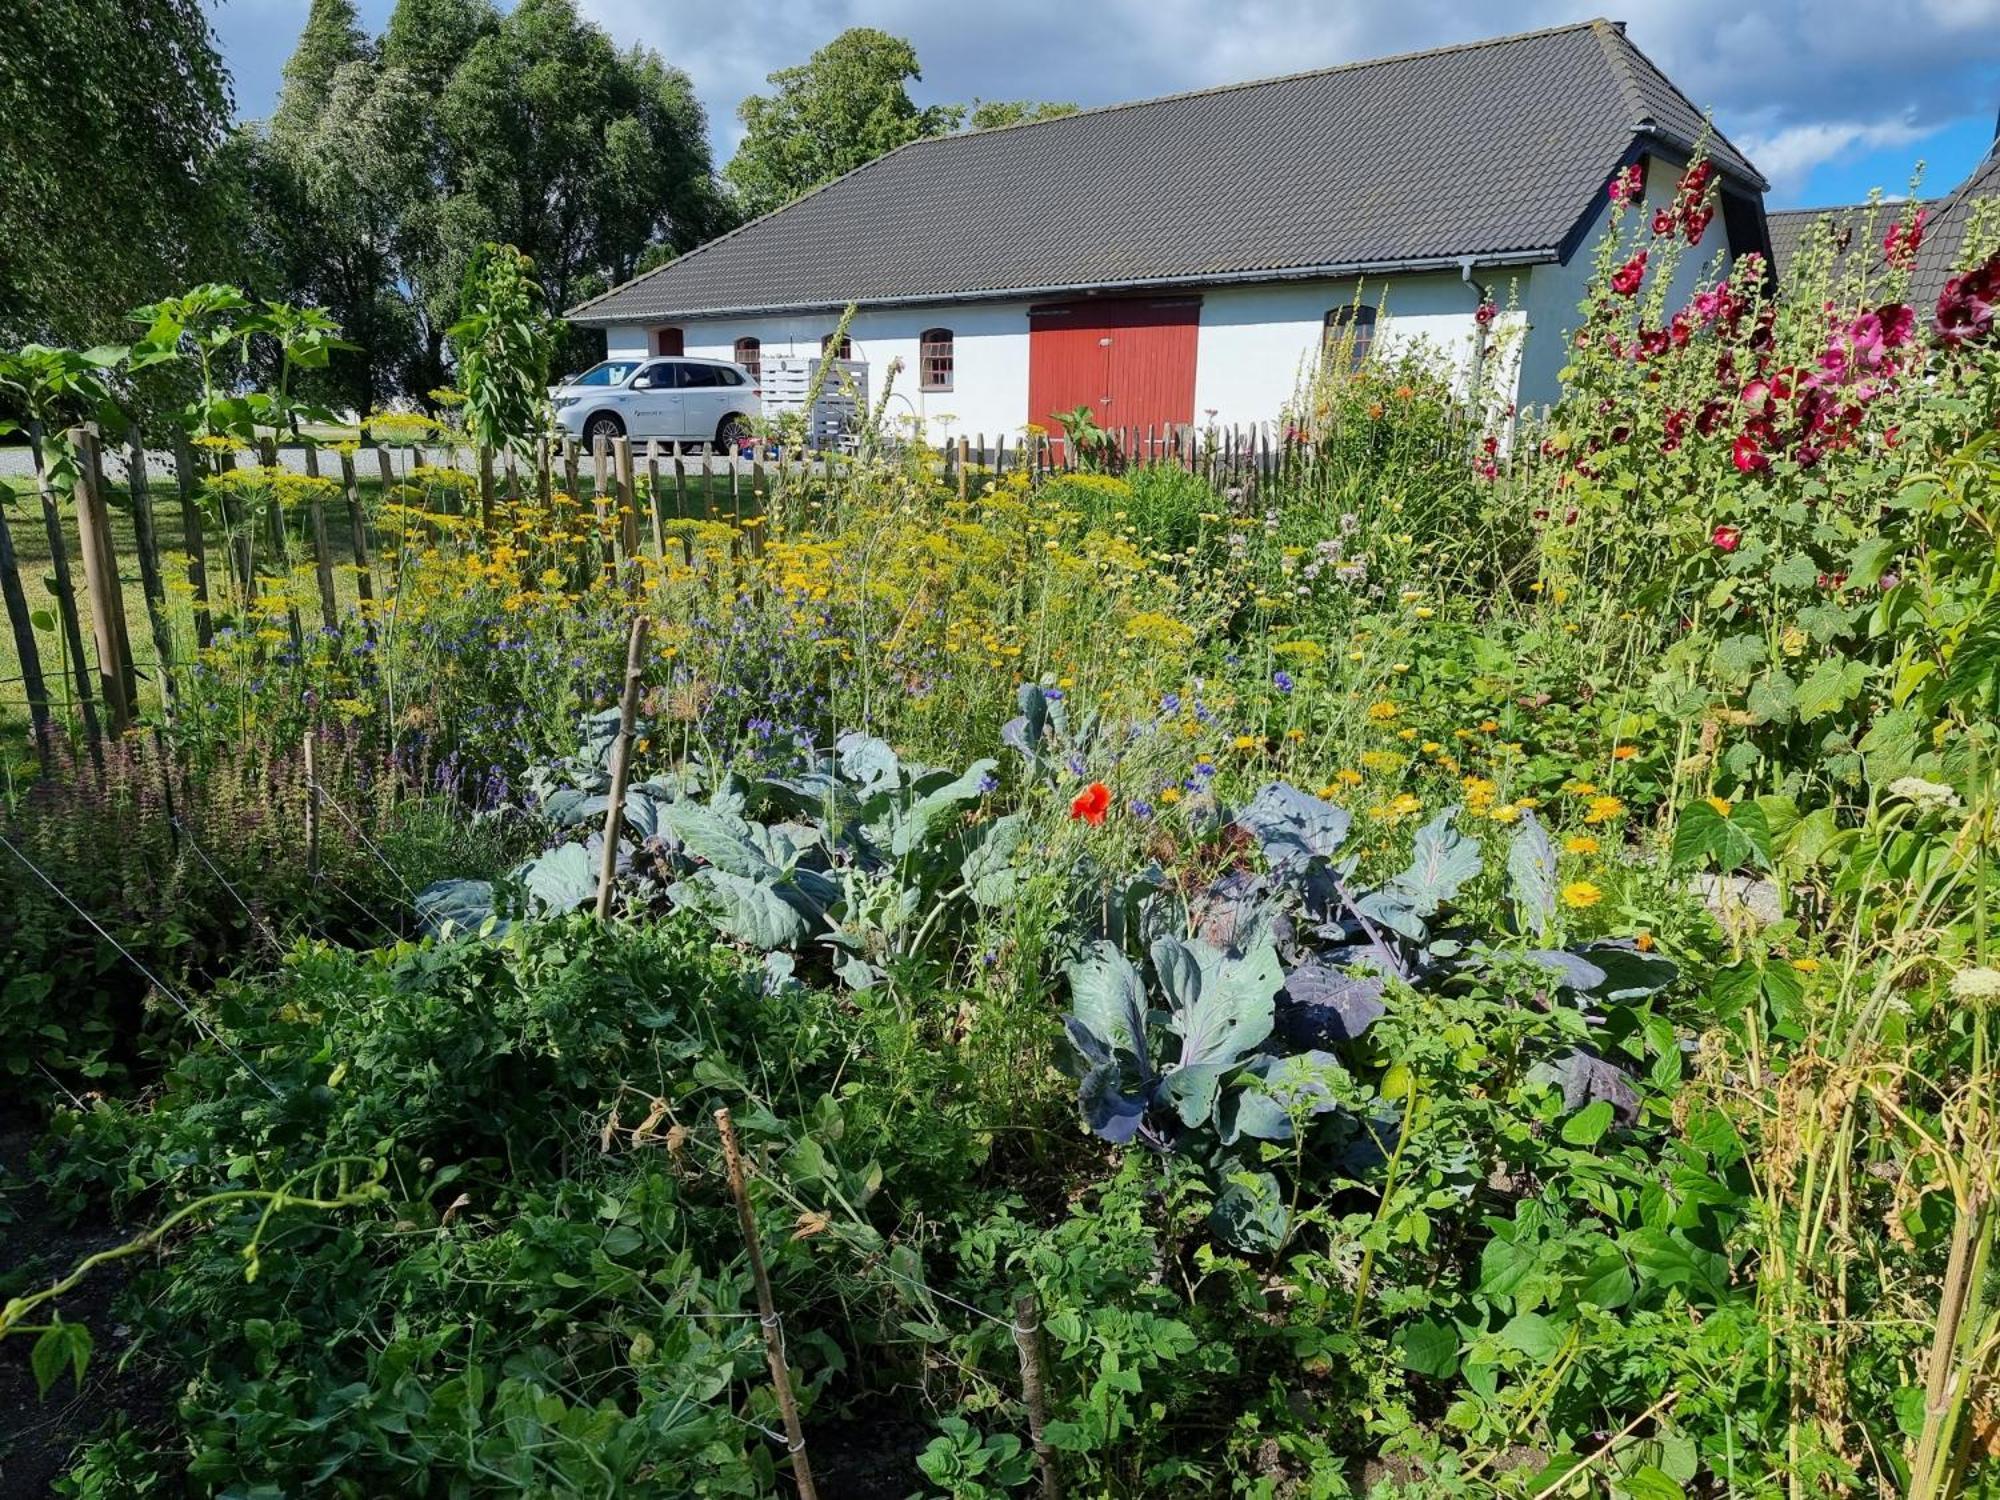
(591,314)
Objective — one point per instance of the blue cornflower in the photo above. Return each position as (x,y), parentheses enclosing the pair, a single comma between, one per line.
(1171,703)
(1282,681)
(988,784)
(1141,808)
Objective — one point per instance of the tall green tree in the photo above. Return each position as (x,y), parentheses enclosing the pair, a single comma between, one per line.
(581,156)
(388,165)
(991,114)
(111,116)
(845,106)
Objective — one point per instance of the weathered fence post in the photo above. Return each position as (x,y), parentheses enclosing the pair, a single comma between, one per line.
(146,539)
(192,540)
(329,611)
(100,577)
(621,763)
(767,1307)
(357,538)
(964,451)
(59,565)
(22,623)
(624,489)
(656,504)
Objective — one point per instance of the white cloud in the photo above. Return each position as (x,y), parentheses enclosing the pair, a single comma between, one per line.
(1785,78)
(1787,157)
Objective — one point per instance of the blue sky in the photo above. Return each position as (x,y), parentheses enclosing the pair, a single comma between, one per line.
(1830,99)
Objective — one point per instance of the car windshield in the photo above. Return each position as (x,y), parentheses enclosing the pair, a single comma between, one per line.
(611,372)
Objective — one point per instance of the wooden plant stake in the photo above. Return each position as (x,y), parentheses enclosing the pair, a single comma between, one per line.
(964,452)
(312,802)
(150,581)
(774,1342)
(485,492)
(1028,1344)
(100,579)
(628,515)
(621,764)
(188,485)
(22,623)
(680,486)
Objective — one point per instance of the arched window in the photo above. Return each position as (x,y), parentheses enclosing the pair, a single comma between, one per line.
(846,350)
(1353,326)
(935,359)
(750,355)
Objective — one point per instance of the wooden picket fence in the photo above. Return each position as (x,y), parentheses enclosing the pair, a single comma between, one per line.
(632,487)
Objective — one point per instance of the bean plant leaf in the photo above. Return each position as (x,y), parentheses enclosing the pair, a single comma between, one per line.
(1429,1348)
(61,1345)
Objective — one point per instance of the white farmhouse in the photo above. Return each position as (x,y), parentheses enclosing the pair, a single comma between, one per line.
(1180,260)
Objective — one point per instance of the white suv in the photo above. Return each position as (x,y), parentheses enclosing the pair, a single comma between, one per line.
(674,398)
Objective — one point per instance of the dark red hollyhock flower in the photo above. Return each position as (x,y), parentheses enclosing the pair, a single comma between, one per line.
(1092,803)
(1654,340)
(1749,458)
(1625,280)
(1663,223)
(1697,223)
(1891,436)
(1709,418)
(1490,444)
(1679,330)
(1676,427)
(1806,455)
(1899,323)
(1726,538)
(1965,308)
(1901,244)
(1486,314)
(1628,184)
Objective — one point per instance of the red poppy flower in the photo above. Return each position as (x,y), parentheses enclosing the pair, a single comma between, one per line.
(1091,804)
(1726,538)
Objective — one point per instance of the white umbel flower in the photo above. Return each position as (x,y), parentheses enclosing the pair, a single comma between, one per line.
(1927,796)
(1979,986)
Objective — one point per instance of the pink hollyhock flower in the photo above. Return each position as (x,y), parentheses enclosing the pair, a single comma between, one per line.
(1625,280)
(1726,538)
(1902,241)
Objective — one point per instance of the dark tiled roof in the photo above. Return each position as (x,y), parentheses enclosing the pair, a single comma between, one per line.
(1858,229)
(1497,149)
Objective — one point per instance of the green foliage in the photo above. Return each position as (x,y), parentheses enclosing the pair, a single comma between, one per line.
(105,102)
(844,107)
(991,114)
(503,343)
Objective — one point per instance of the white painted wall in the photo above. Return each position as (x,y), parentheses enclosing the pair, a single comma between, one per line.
(1555,293)
(1255,343)
(989,393)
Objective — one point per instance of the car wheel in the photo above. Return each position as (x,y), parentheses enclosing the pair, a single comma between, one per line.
(606,425)
(730,435)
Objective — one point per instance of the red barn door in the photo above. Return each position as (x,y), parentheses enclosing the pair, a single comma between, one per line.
(1131,362)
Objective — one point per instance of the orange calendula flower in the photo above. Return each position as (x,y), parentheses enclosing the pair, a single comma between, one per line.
(1625,752)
